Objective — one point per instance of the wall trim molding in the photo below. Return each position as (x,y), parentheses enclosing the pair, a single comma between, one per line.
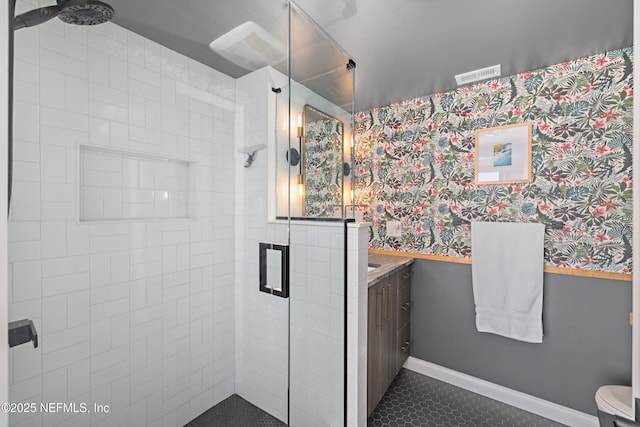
(626,277)
(544,408)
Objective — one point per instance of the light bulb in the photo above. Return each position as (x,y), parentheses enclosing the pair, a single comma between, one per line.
(301,185)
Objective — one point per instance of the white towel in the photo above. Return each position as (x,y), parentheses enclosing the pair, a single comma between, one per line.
(507,271)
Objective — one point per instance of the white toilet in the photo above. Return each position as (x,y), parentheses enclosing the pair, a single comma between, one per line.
(614,400)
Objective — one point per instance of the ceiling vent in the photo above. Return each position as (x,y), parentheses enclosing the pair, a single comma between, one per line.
(477,75)
(250,46)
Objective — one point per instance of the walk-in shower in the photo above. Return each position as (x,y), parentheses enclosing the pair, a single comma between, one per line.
(135,229)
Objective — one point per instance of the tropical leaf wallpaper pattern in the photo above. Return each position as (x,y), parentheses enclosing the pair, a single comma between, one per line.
(323,168)
(415,163)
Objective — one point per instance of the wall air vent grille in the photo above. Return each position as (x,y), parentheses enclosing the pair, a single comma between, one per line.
(477,75)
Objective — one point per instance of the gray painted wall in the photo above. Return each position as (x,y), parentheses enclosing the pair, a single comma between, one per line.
(586,343)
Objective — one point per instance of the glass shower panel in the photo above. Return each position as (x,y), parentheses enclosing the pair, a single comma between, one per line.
(147,312)
(320,107)
(315,164)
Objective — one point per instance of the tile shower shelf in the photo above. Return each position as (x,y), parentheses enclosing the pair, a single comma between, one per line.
(124,185)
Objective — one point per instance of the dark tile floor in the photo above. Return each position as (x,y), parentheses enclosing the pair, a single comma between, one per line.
(417,400)
(412,400)
(235,412)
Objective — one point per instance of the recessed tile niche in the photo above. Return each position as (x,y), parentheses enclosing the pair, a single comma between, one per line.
(117,185)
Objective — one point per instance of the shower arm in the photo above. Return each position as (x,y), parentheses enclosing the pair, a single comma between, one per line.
(35,17)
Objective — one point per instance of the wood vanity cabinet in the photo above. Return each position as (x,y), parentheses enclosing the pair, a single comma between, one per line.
(403,338)
(388,332)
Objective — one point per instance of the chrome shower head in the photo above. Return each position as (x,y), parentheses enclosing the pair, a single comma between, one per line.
(85,12)
(78,12)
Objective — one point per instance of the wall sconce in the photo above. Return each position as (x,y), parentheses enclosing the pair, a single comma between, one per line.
(301,174)
(294,157)
(301,185)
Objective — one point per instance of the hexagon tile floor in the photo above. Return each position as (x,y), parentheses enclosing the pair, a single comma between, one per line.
(414,399)
(234,411)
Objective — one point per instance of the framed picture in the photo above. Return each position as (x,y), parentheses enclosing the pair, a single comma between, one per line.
(503,154)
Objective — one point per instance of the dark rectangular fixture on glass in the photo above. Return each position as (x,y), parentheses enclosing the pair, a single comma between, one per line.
(274,269)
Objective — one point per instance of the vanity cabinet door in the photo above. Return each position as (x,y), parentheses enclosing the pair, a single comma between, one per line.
(404,296)
(403,310)
(381,353)
(403,346)
(388,330)
(374,345)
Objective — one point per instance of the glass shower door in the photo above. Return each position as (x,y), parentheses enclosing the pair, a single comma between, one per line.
(321,77)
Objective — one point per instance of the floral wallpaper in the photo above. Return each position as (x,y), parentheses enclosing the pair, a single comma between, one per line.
(323,168)
(415,164)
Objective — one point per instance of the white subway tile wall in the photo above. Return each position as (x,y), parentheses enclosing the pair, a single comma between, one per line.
(122,185)
(137,315)
(317,324)
(261,319)
(357,310)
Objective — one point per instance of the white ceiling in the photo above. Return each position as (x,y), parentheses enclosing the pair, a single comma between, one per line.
(403,48)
